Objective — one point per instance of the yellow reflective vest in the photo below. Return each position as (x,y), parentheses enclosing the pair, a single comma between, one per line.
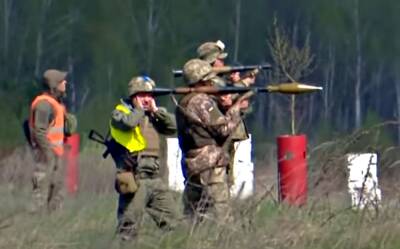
(132,140)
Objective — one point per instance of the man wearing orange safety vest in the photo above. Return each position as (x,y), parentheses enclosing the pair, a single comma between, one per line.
(49,123)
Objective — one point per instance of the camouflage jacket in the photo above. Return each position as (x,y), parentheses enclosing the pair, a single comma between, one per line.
(201,110)
(162,121)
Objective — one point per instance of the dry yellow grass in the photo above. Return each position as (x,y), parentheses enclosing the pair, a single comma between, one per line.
(88,219)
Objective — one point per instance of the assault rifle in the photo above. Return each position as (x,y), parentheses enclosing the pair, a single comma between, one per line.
(97,137)
(285,88)
(229,69)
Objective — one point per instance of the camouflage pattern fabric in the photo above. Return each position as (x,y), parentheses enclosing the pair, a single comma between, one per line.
(210,51)
(206,190)
(70,125)
(152,197)
(140,84)
(48,170)
(239,134)
(48,183)
(196,70)
(205,109)
(201,200)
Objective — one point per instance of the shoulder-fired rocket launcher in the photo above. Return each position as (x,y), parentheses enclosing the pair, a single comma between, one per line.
(229,69)
(284,88)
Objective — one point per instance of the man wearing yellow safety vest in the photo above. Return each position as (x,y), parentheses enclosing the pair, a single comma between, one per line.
(135,147)
(49,123)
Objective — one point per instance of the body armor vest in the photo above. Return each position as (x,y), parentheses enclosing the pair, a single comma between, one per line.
(152,138)
(191,133)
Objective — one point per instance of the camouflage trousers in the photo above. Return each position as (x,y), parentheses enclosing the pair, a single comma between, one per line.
(48,184)
(152,197)
(206,196)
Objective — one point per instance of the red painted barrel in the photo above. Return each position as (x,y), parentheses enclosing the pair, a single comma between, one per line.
(72,164)
(292,169)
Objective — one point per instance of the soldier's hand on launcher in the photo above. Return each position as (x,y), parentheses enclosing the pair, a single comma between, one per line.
(243,101)
(250,78)
(244,104)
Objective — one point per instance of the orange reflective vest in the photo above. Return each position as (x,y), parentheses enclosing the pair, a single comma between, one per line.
(55,132)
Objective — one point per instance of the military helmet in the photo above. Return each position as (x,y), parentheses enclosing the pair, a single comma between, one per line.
(211,51)
(196,70)
(140,84)
(53,77)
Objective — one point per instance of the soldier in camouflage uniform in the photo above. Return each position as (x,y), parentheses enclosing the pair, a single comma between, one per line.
(135,147)
(49,123)
(213,53)
(202,130)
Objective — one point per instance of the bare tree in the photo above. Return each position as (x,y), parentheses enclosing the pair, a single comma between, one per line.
(151,24)
(238,11)
(359,59)
(8,5)
(376,85)
(20,57)
(70,19)
(110,74)
(71,71)
(397,85)
(292,62)
(135,27)
(329,77)
(39,38)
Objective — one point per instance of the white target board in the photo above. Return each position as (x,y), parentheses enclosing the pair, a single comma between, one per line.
(176,181)
(243,168)
(363,180)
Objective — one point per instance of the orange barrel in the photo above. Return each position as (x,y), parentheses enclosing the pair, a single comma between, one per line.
(292,169)
(72,157)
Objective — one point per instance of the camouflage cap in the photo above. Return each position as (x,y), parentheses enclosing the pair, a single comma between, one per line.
(210,51)
(140,84)
(53,77)
(196,70)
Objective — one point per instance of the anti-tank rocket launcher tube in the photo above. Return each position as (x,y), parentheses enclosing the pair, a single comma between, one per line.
(284,88)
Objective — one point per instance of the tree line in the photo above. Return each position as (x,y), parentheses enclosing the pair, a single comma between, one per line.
(352,47)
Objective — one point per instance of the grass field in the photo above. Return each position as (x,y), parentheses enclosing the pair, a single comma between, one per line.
(88,219)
